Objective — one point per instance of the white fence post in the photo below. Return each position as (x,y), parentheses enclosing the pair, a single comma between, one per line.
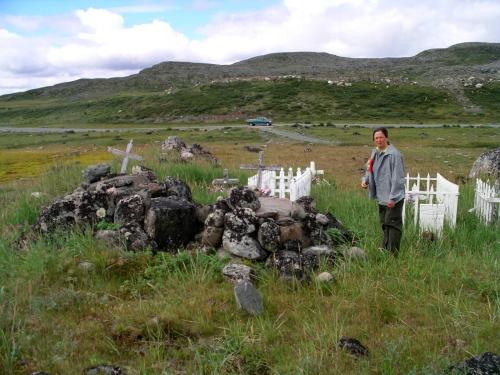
(486,201)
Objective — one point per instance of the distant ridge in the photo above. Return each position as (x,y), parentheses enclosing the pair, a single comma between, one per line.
(430,67)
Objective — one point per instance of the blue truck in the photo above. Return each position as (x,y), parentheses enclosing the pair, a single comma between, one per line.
(260,121)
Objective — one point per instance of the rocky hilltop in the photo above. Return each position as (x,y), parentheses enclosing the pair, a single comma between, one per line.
(449,67)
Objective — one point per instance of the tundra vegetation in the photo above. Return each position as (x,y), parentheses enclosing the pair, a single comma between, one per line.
(70,303)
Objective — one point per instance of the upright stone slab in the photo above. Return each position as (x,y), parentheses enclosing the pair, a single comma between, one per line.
(432,217)
(248,298)
(171,222)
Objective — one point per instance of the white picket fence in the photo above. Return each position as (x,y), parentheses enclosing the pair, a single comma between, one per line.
(487,201)
(287,185)
(432,201)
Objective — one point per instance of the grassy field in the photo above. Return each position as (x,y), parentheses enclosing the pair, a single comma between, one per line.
(438,303)
(285,100)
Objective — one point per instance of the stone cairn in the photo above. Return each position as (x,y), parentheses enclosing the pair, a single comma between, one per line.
(145,212)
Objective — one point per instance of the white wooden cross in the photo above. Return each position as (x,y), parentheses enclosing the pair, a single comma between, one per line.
(126,155)
(261,167)
(225,180)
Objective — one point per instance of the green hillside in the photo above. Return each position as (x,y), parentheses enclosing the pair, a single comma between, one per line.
(439,85)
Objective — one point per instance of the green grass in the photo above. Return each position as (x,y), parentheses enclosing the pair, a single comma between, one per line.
(284,100)
(436,304)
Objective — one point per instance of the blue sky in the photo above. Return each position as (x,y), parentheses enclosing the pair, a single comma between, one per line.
(45,42)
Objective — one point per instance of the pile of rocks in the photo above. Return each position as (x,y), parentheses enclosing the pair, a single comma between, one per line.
(137,211)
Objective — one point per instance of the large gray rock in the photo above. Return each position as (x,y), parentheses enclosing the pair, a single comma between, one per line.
(248,298)
(95,172)
(242,245)
(177,188)
(488,163)
(171,222)
(81,207)
(173,142)
(130,208)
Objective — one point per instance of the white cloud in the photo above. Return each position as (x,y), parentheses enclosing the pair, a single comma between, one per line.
(95,42)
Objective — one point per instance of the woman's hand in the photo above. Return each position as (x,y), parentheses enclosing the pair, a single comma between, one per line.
(390,205)
(364,185)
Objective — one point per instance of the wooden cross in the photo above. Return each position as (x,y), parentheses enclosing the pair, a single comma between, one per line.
(225,180)
(261,167)
(126,155)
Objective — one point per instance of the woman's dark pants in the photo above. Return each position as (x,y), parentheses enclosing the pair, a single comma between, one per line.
(392,225)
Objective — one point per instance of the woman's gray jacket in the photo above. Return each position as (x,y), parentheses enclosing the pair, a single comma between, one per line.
(390,181)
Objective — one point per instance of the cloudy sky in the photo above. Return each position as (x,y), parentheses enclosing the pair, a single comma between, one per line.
(44,42)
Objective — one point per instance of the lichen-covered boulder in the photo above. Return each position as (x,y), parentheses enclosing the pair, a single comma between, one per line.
(177,188)
(488,163)
(487,363)
(284,260)
(212,236)
(244,197)
(171,222)
(130,208)
(242,245)
(242,220)
(132,182)
(308,204)
(144,171)
(269,236)
(95,172)
(215,219)
(111,238)
(135,238)
(173,142)
(234,273)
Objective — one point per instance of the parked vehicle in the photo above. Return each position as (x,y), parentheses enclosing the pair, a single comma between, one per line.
(260,121)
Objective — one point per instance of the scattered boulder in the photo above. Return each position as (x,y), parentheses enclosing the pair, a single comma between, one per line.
(488,163)
(353,346)
(105,370)
(487,363)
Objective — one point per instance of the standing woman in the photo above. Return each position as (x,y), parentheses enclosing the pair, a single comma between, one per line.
(386,182)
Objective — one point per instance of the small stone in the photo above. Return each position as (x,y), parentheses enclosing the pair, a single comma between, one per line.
(325,277)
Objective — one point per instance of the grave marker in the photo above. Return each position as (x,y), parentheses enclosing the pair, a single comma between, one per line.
(126,155)
(225,180)
(261,167)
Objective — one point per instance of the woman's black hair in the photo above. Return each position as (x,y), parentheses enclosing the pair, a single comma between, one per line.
(381,129)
